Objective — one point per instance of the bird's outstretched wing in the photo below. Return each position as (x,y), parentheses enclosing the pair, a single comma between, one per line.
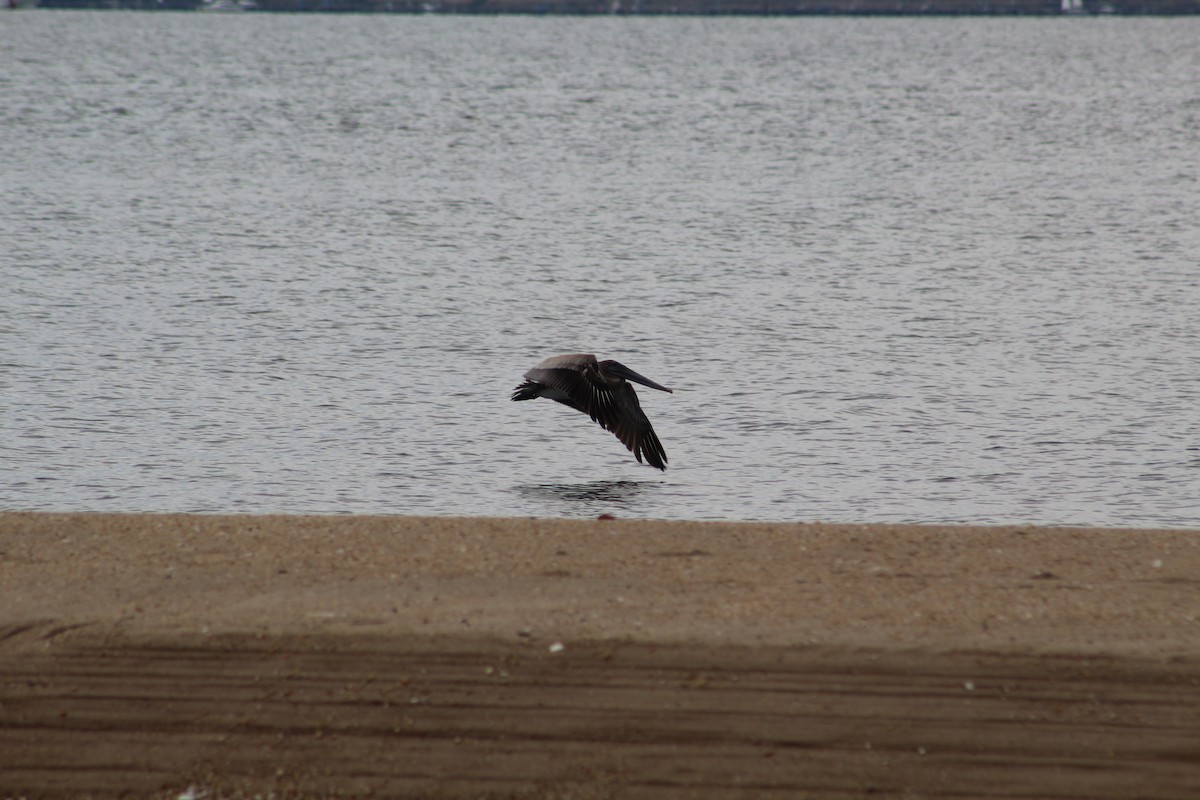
(634,430)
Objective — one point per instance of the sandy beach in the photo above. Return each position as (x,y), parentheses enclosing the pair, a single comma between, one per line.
(153,655)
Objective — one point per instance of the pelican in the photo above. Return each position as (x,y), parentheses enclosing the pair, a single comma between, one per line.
(600,390)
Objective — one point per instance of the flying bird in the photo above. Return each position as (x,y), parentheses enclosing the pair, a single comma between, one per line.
(601,390)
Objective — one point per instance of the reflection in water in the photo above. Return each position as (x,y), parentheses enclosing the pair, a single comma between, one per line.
(617,493)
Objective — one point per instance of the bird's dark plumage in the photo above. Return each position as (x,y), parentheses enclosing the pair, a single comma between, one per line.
(601,390)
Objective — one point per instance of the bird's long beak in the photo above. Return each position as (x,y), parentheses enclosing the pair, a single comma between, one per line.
(629,375)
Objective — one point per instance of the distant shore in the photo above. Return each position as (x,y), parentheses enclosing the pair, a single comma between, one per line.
(448,657)
(666,7)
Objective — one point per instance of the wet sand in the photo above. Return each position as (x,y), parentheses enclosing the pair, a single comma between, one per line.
(456,657)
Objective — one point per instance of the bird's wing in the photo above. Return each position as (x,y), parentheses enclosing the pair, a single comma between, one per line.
(633,429)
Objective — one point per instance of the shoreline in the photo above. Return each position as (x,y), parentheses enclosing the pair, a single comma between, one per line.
(454,657)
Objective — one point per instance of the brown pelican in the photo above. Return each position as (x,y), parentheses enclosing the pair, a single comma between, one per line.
(600,390)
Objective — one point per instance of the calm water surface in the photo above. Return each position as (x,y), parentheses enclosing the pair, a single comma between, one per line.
(908,270)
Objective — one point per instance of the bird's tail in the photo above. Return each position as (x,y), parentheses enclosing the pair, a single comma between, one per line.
(527,391)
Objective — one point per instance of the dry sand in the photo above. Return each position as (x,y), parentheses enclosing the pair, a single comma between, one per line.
(142,655)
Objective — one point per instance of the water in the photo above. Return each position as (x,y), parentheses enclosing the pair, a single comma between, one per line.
(902,270)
